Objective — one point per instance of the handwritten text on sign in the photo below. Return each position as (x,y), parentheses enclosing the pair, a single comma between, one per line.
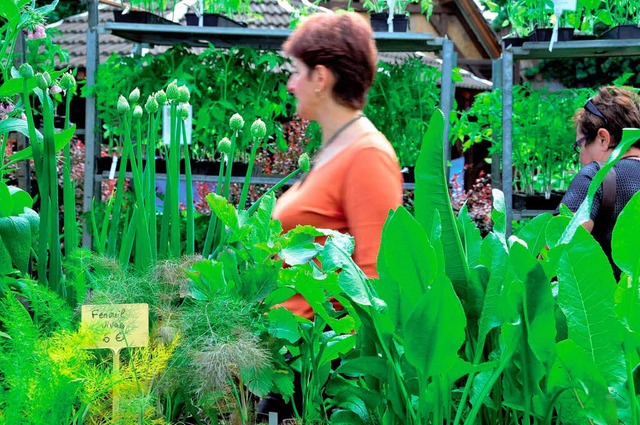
(119,325)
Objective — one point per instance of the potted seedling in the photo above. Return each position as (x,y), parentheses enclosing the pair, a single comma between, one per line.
(214,13)
(390,14)
(142,12)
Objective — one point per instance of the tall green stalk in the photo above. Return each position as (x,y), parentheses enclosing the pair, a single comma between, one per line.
(258,131)
(70,236)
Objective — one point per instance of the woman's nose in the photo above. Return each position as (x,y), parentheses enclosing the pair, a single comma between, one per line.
(291,85)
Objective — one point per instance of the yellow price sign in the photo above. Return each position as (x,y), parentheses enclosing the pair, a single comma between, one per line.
(119,325)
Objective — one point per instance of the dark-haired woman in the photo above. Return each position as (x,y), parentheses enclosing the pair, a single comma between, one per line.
(355,178)
(599,127)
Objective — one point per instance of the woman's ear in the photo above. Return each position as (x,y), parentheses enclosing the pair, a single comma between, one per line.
(323,78)
(603,138)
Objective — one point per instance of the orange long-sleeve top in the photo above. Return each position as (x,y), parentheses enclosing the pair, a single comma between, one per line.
(352,193)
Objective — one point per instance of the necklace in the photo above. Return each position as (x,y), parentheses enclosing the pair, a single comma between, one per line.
(340,130)
(329,141)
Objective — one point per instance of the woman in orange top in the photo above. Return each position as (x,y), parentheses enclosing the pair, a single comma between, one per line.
(355,178)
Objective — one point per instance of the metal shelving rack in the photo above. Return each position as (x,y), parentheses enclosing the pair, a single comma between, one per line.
(267,39)
(503,78)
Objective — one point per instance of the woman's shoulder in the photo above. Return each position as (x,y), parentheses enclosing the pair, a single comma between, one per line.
(590,169)
(373,140)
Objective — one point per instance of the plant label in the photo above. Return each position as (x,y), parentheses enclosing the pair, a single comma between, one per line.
(118,325)
(564,4)
(184,139)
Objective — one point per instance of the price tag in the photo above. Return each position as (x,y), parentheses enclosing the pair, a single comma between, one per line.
(112,170)
(119,325)
(564,4)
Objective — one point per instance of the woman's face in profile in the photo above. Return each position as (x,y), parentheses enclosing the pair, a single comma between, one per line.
(301,85)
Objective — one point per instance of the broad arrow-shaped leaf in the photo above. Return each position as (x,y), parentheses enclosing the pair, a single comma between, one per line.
(15,233)
(408,267)
(625,244)
(432,194)
(434,331)
(585,295)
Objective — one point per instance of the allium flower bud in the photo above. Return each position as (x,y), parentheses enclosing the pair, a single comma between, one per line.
(152,105)
(183,94)
(137,112)
(47,78)
(303,163)
(55,89)
(123,105)
(183,111)
(26,71)
(224,146)
(173,91)
(67,82)
(258,129)
(41,81)
(161,97)
(236,122)
(134,96)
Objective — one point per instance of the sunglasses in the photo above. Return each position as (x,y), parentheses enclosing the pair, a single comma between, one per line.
(592,108)
(577,145)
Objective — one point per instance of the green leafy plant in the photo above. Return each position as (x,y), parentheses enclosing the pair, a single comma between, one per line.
(401,102)
(26,88)
(399,6)
(543,159)
(248,80)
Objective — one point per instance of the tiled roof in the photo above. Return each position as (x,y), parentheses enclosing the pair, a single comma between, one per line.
(73,31)
(275,14)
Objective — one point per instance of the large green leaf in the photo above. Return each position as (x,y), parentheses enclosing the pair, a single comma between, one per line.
(359,402)
(6,203)
(313,292)
(337,250)
(61,139)
(9,10)
(409,266)
(336,254)
(282,324)
(6,265)
(586,296)
(221,207)
(540,316)
(337,345)
(499,215)
(533,233)
(365,366)
(495,257)
(471,237)
(588,399)
(15,124)
(300,249)
(15,233)
(625,244)
(435,330)
(432,194)
(20,199)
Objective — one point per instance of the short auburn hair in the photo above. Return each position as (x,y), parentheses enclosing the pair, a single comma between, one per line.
(343,42)
(620,106)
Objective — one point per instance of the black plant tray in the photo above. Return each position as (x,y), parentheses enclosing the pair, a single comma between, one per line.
(140,17)
(544,34)
(521,201)
(514,41)
(621,32)
(379,22)
(213,20)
